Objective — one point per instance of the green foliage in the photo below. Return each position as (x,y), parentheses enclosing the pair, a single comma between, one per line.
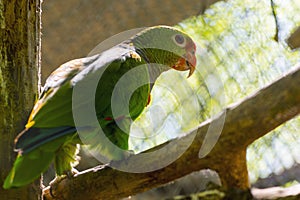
(237,56)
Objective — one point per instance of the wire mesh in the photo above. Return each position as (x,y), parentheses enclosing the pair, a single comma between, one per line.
(236,39)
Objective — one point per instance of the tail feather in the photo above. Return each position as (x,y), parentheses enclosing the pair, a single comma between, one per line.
(32,138)
(29,166)
(37,149)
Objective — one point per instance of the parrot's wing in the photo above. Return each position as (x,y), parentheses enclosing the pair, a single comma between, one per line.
(50,125)
(54,106)
(53,110)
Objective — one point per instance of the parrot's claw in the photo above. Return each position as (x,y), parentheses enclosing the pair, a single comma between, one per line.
(68,174)
(56,180)
(54,183)
(72,173)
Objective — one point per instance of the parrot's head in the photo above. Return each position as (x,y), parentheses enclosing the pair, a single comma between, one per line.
(167,46)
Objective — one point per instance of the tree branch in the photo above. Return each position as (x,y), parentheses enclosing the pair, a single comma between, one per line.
(294,40)
(245,122)
(274,179)
(219,193)
(290,193)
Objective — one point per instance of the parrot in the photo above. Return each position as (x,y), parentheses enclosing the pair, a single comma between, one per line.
(51,134)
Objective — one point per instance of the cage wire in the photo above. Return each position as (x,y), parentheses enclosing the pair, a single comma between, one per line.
(235,38)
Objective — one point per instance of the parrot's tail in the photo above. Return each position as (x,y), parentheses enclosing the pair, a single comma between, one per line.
(37,148)
(31,138)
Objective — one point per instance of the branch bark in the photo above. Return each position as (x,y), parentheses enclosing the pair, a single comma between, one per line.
(245,122)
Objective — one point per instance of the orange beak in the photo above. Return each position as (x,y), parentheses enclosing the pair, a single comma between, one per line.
(188,61)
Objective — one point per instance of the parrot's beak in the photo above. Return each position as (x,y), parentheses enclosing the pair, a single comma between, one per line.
(191,62)
(187,62)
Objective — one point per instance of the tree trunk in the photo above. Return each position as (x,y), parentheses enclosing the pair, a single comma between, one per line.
(19,59)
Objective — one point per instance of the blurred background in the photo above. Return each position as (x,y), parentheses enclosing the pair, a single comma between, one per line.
(241,43)
(72,28)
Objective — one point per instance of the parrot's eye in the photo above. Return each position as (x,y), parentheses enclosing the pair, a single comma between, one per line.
(179,40)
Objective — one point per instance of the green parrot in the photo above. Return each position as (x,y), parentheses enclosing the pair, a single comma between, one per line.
(51,133)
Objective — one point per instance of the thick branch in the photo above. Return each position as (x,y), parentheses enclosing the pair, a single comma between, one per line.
(245,122)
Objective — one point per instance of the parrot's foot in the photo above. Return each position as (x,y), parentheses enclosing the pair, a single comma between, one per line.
(68,174)
(72,173)
(54,183)
(56,180)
